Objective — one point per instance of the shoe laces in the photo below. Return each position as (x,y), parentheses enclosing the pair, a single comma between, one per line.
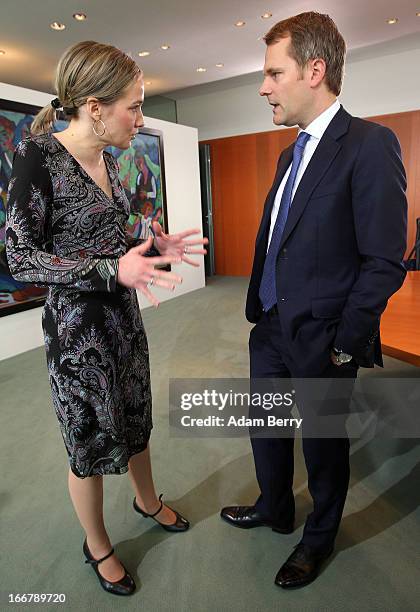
(243,511)
(302,552)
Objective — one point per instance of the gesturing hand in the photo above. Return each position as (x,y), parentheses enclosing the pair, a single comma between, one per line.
(139,272)
(175,245)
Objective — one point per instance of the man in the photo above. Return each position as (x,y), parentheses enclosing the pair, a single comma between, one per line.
(328,256)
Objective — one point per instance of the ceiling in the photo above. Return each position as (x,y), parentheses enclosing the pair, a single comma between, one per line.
(200,33)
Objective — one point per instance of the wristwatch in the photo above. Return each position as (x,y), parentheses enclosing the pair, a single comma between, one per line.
(341,356)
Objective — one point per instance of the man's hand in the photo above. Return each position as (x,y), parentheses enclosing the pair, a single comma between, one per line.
(339,358)
(334,359)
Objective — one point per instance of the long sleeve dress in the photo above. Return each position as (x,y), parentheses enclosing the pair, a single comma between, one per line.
(65,233)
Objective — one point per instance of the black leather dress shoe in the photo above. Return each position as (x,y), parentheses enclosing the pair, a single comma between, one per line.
(247,517)
(125,586)
(181,523)
(301,568)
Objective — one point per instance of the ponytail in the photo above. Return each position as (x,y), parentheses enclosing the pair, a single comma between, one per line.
(44,121)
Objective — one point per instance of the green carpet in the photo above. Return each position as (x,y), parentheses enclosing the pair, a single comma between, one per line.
(212,567)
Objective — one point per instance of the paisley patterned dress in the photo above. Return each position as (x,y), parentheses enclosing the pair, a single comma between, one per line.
(65,233)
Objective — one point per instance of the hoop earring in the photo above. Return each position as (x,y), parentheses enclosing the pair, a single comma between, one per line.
(94,127)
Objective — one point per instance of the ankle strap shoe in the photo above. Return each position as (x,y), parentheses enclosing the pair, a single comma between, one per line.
(181,523)
(125,586)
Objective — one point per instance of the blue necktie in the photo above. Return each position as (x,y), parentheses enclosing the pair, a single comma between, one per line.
(267,291)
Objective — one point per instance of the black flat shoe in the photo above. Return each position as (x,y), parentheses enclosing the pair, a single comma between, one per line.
(125,586)
(181,523)
(301,568)
(247,517)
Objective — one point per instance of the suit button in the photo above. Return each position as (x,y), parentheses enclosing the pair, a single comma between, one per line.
(283,299)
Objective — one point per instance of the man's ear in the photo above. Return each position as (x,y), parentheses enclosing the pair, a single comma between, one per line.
(318,68)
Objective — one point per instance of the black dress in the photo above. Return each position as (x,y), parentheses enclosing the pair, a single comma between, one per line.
(65,233)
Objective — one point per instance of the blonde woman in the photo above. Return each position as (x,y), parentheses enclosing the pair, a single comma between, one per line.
(66,218)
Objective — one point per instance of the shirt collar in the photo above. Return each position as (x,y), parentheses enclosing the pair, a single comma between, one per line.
(318,126)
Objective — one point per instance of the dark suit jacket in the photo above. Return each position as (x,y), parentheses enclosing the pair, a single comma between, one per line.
(341,252)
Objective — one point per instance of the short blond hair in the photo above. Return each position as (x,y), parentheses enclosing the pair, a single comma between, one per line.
(313,35)
(87,69)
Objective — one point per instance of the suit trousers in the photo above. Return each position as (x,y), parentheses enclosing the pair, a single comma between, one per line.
(326,458)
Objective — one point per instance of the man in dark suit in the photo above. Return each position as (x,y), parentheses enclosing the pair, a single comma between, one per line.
(328,256)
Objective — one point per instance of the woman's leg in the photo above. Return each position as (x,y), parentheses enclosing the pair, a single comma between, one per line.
(140,472)
(87,497)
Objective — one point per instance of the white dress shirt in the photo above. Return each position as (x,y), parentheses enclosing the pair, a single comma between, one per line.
(316,130)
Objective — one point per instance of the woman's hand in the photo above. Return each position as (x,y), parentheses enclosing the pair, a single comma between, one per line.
(139,272)
(175,245)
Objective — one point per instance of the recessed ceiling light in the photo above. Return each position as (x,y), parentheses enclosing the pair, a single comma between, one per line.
(220,65)
(201,69)
(2,52)
(56,25)
(392,21)
(266,15)
(240,24)
(148,82)
(79,16)
(165,47)
(144,53)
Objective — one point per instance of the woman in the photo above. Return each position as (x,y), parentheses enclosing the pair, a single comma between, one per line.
(66,218)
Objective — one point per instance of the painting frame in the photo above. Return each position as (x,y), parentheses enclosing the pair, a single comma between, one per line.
(26,110)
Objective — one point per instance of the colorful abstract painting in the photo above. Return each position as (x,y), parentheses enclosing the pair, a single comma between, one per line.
(15,122)
(142,174)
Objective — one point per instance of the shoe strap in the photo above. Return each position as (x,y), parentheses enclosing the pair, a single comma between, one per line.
(98,561)
(160,507)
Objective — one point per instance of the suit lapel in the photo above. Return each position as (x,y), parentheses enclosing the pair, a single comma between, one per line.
(321,160)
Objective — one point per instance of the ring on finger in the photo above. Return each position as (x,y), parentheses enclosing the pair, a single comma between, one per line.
(151,281)
(186,250)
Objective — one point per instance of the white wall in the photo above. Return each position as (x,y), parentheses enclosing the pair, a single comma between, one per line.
(21,332)
(183,195)
(379,80)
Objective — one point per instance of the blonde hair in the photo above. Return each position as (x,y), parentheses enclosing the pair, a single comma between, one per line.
(313,35)
(87,69)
